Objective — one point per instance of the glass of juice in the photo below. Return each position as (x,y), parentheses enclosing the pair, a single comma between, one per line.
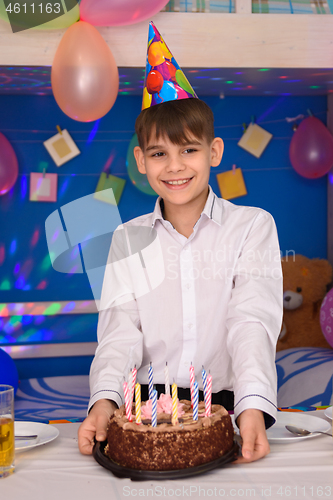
(7,438)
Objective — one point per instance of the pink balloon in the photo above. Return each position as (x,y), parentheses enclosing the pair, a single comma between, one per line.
(84,74)
(326,317)
(119,12)
(311,149)
(8,165)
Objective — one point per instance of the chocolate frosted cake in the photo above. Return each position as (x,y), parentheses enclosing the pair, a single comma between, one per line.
(165,447)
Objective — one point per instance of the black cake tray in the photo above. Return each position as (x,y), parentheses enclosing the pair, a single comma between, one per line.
(143,475)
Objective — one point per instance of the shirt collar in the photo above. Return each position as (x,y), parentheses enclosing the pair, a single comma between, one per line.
(212,208)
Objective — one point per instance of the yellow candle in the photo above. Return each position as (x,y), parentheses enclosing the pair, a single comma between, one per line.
(138,403)
(174,404)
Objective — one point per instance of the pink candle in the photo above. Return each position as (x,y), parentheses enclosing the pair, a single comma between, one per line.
(208,400)
(192,380)
(134,372)
(128,402)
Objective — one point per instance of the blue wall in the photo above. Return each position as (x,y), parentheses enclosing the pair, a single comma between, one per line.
(297,204)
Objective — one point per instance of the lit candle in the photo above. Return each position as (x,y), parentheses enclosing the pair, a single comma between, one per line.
(150,381)
(195,400)
(208,401)
(166,376)
(133,382)
(204,382)
(154,409)
(174,404)
(192,379)
(128,404)
(138,403)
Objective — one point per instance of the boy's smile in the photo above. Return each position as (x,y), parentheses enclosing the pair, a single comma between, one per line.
(179,173)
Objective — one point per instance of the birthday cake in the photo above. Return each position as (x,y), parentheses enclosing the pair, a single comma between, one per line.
(169,445)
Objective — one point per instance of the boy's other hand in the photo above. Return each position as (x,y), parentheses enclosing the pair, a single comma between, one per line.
(252,430)
(95,425)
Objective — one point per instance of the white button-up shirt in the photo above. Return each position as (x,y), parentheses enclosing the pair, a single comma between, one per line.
(213,300)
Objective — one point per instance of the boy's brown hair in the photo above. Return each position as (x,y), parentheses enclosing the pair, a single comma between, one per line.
(178,120)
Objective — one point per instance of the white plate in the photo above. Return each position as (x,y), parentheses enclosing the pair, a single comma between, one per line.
(45,434)
(328,412)
(279,434)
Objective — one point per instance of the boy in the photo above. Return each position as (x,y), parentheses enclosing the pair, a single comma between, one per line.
(220,302)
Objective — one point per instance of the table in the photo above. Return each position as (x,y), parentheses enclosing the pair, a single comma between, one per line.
(57,471)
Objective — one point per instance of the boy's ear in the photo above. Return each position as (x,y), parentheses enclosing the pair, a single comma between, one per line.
(140,159)
(217,148)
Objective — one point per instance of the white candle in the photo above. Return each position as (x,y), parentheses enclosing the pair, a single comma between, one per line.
(167,382)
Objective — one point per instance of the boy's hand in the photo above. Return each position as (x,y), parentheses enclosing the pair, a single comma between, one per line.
(252,430)
(95,425)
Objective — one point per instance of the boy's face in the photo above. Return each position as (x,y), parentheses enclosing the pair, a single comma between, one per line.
(179,173)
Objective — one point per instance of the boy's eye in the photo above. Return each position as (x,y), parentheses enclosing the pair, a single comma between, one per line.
(190,150)
(159,153)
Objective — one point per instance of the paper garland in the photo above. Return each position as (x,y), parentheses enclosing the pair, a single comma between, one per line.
(43,187)
(107,183)
(231,183)
(255,140)
(61,147)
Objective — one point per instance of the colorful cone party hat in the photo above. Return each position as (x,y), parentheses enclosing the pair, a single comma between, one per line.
(164,80)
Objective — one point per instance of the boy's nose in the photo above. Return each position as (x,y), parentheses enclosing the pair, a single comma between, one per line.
(175,165)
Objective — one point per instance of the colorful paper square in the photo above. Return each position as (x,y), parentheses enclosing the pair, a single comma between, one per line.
(107,183)
(61,147)
(43,187)
(255,140)
(231,184)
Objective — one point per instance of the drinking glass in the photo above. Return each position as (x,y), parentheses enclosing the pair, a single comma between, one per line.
(7,438)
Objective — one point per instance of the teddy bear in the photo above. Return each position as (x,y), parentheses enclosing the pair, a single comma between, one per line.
(305,284)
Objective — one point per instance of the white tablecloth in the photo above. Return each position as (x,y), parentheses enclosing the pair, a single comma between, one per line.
(57,471)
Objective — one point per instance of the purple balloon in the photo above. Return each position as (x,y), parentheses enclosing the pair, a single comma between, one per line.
(326,317)
(311,149)
(8,165)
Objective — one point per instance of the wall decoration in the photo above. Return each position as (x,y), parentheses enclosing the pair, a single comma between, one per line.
(107,183)
(61,147)
(231,183)
(84,74)
(43,187)
(8,165)
(140,181)
(51,18)
(255,140)
(311,149)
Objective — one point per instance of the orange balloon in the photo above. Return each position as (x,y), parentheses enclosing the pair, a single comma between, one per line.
(84,76)
(155,54)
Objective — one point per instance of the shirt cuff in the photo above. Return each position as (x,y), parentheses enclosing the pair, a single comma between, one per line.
(255,396)
(105,394)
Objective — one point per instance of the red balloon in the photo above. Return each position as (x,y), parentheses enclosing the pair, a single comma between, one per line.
(311,149)
(8,165)
(154,82)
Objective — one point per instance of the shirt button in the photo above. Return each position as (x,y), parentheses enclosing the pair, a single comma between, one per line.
(188,286)
(190,325)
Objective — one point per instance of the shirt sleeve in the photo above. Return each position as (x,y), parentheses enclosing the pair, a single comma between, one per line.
(254,319)
(119,331)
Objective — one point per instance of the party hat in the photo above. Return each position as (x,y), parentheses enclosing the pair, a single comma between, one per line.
(164,79)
